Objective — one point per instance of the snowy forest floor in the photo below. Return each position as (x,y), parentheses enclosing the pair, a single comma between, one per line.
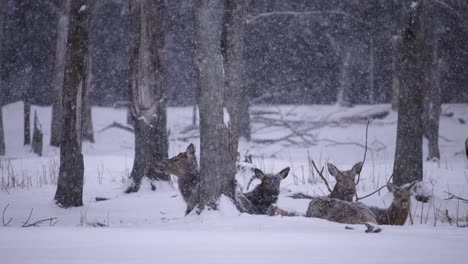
(149,226)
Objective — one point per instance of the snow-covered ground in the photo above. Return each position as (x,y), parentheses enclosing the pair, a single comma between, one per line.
(149,226)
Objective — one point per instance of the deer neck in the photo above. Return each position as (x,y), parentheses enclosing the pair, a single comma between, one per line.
(397,215)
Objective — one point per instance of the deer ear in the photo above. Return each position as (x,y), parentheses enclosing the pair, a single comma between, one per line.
(391,187)
(411,186)
(357,168)
(259,174)
(191,149)
(284,173)
(332,169)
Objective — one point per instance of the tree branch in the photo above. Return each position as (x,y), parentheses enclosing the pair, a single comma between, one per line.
(321,176)
(3,217)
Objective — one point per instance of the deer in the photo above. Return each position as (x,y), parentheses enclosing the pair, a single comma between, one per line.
(265,195)
(185,167)
(398,211)
(345,188)
(340,211)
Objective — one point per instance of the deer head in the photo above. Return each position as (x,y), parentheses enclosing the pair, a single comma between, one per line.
(345,188)
(185,163)
(271,182)
(401,195)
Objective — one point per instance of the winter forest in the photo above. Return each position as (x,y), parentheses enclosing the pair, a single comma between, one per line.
(234,131)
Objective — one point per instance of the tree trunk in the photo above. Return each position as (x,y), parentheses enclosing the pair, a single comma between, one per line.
(371,72)
(342,95)
(408,153)
(87,133)
(37,136)
(432,96)
(27,105)
(215,177)
(237,100)
(70,181)
(396,73)
(57,81)
(2,136)
(148,90)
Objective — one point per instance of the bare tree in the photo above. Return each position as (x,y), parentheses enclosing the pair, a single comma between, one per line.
(408,153)
(396,72)
(2,136)
(233,41)
(59,70)
(215,171)
(432,92)
(87,132)
(70,181)
(27,71)
(148,91)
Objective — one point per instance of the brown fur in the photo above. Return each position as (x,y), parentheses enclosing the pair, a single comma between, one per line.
(398,211)
(340,211)
(345,188)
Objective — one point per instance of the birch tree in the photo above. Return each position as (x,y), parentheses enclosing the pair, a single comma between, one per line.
(148,92)
(70,181)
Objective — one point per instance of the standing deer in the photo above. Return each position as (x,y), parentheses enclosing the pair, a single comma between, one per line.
(397,213)
(185,167)
(345,188)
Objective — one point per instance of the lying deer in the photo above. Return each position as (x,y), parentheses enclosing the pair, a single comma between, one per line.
(357,213)
(344,189)
(185,167)
(397,213)
(265,195)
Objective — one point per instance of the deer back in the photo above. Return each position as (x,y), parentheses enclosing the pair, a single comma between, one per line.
(340,211)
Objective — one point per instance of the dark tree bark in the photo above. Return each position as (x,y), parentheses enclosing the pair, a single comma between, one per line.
(148,90)
(432,93)
(2,136)
(215,170)
(37,138)
(87,132)
(396,71)
(27,105)
(28,70)
(408,165)
(342,98)
(237,100)
(70,181)
(59,70)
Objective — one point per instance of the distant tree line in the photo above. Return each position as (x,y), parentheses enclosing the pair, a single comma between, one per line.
(297,51)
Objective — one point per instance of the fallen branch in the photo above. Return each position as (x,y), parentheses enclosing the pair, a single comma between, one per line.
(453,196)
(51,223)
(3,217)
(300,196)
(374,192)
(118,125)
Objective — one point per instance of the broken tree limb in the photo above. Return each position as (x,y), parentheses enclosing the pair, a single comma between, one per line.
(3,217)
(117,125)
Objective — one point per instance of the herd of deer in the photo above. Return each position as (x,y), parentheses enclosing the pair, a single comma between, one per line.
(337,207)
